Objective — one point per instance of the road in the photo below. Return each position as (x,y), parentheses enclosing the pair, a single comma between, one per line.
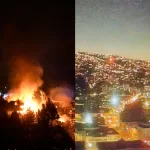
(129,134)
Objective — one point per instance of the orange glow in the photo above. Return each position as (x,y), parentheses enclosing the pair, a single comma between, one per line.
(64,118)
(26,94)
(109,121)
(29,103)
(111,59)
(25,80)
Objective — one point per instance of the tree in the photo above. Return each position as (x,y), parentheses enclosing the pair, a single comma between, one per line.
(51,110)
(14,118)
(4,119)
(48,113)
(42,116)
(29,117)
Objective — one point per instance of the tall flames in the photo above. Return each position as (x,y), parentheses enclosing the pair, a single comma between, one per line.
(25,81)
(25,84)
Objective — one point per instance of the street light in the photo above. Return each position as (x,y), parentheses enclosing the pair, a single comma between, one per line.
(146,103)
(115,101)
(90,145)
(88,118)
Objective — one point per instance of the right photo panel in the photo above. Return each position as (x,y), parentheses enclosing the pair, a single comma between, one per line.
(112,75)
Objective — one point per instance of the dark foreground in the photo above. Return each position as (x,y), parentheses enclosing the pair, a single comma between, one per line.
(35,137)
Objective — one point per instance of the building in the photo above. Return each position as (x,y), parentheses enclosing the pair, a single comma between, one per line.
(103,134)
(79,109)
(146,92)
(122,145)
(91,134)
(144,132)
(79,145)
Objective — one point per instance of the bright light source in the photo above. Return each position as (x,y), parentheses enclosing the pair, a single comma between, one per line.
(5,96)
(146,103)
(88,118)
(109,121)
(94,94)
(115,101)
(89,144)
(102,115)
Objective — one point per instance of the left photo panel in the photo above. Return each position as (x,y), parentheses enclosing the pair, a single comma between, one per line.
(37,77)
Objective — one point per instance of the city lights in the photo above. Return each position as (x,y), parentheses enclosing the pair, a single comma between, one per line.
(5,96)
(88,118)
(115,101)
(90,145)
(146,103)
(106,74)
(109,121)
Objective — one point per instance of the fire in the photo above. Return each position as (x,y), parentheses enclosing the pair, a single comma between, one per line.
(64,118)
(26,94)
(25,80)
(29,103)
(61,119)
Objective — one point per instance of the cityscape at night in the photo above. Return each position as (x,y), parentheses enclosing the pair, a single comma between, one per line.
(112,75)
(112,101)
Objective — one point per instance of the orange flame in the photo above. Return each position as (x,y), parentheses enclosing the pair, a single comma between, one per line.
(25,81)
(64,118)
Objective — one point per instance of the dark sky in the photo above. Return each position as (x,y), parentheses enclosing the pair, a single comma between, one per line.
(119,27)
(43,32)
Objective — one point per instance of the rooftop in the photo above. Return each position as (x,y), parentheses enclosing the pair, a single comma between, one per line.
(102,131)
(79,145)
(144,125)
(122,145)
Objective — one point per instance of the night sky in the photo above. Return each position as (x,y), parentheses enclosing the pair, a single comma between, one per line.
(119,27)
(41,32)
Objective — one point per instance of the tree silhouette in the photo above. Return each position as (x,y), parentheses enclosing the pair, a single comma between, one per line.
(3,104)
(14,118)
(4,119)
(29,117)
(42,116)
(47,114)
(51,110)
(23,135)
(18,104)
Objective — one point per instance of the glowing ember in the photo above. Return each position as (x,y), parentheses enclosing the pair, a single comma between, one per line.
(64,118)
(25,81)
(29,104)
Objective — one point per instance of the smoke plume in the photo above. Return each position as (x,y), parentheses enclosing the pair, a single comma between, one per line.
(62,98)
(61,95)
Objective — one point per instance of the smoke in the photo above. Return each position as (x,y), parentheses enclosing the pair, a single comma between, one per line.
(62,98)
(25,78)
(61,95)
